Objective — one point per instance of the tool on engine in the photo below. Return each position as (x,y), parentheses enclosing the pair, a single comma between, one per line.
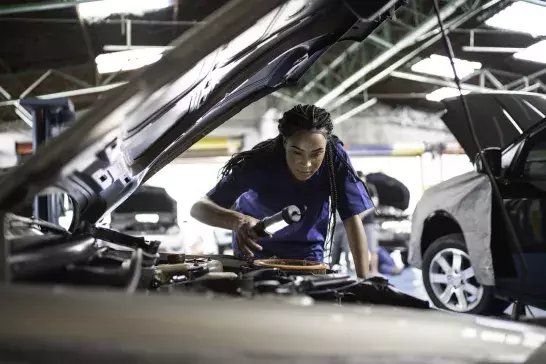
(270,225)
(189,268)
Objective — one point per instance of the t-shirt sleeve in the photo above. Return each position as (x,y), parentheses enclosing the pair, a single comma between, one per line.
(229,188)
(353,197)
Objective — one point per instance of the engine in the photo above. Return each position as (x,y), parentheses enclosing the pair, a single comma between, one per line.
(45,254)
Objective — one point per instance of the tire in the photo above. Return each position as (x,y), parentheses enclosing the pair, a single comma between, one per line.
(448,290)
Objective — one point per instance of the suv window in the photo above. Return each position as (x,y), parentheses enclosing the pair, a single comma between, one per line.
(535,164)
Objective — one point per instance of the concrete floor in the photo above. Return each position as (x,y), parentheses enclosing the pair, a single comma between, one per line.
(411,282)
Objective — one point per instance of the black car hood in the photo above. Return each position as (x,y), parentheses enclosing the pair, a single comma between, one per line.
(242,52)
(391,192)
(498,118)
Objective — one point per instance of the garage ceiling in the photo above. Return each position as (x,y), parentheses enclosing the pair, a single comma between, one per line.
(53,51)
(55,46)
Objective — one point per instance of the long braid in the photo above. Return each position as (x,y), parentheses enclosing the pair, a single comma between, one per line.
(260,150)
(330,152)
(352,172)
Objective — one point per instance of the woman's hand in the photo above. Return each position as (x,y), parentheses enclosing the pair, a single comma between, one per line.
(246,236)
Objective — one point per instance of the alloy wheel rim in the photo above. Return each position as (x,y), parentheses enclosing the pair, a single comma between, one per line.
(453,280)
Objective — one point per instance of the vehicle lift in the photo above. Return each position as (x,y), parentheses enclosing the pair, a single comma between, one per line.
(49,119)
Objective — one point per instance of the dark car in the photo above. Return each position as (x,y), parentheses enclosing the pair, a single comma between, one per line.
(148,308)
(394,225)
(151,213)
(459,238)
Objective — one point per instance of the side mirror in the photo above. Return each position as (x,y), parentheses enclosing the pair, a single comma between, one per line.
(493,157)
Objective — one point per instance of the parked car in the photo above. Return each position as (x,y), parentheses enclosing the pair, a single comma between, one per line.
(394,231)
(459,238)
(394,225)
(151,213)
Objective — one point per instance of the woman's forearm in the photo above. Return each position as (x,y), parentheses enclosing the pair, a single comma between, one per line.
(358,244)
(209,213)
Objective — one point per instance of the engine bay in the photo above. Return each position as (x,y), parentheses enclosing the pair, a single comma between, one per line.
(42,253)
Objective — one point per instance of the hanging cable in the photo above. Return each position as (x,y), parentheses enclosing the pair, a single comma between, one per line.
(497,195)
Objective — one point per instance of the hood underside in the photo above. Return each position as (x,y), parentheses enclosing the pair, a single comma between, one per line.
(241,53)
(498,118)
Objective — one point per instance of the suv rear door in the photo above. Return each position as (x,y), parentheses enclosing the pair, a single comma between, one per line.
(524,192)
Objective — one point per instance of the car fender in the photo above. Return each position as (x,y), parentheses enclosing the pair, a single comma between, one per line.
(466,200)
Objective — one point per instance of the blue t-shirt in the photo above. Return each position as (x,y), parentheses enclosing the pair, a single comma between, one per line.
(263,188)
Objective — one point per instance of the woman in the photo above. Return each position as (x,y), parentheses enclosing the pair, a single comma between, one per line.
(305,165)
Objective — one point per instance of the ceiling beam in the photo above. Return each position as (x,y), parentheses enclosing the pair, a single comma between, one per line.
(409,56)
(405,42)
(349,114)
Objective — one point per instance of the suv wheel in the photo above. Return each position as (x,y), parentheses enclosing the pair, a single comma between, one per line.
(450,280)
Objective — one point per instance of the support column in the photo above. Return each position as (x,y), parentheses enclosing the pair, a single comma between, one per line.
(268,127)
(49,117)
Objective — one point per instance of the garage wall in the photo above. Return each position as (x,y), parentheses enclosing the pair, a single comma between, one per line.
(381,124)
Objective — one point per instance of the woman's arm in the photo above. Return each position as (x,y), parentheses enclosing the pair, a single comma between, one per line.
(210,213)
(358,244)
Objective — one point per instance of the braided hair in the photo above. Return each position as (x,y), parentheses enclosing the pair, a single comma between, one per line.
(300,117)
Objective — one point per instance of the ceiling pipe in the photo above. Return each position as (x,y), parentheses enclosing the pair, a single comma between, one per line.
(535,2)
(54,5)
(405,42)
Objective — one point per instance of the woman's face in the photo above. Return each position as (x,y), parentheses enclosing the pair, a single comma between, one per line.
(304,153)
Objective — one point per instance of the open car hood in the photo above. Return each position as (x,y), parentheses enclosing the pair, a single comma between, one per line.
(242,52)
(391,191)
(498,118)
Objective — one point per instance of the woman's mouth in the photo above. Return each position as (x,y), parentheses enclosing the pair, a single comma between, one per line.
(305,172)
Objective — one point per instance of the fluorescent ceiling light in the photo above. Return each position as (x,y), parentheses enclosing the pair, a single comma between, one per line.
(438,65)
(522,17)
(534,53)
(127,60)
(103,9)
(444,93)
